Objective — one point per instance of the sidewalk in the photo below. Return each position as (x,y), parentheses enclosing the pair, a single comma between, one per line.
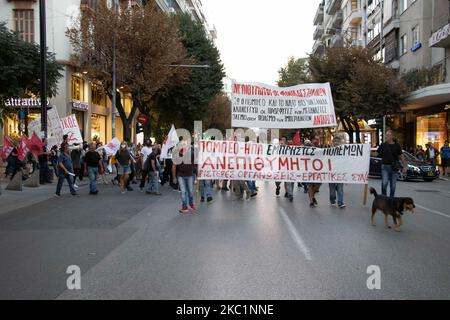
(10,200)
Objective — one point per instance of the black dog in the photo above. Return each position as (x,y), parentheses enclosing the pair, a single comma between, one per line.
(391,207)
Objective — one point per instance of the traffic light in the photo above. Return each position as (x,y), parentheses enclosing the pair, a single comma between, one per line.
(139,128)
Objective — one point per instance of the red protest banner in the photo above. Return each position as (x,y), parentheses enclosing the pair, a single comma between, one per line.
(35,144)
(23,148)
(8,147)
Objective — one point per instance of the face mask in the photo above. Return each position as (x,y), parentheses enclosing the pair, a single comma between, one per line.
(123,146)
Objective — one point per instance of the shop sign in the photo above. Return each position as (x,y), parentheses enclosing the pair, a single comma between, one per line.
(440,35)
(79,105)
(24,102)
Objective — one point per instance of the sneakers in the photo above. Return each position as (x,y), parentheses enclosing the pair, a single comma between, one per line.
(342,206)
(312,205)
(93,193)
(192,206)
(184,209)
(76,187)
(57,195)
(291,198)
(334,205)
(210,200)
(315,202)
(277,193)
(254,194)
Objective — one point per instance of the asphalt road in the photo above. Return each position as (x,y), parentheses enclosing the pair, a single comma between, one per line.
(135,246)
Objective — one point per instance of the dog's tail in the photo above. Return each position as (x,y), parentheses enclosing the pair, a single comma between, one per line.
(373,191)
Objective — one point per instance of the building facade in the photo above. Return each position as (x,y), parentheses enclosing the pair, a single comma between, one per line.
(77,93)
(410,36)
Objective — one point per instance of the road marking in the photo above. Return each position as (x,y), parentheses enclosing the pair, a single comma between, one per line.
(296,235)
(433,211)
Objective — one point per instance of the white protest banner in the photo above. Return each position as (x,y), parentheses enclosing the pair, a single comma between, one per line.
(112,147)
(54,130)
(169,143)
(231,160)
(263,106)
(70,127)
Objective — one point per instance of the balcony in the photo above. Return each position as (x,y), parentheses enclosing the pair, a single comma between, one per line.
(318,33)
(318,19)
(337,41)
(318,48)
(354,18)
(333,6)
(441,38)
(336,22)
(391,25)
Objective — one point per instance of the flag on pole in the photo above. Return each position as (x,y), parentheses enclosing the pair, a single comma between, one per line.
(8,147)
(23,148)
(36,145)
(169,143)
(111,148)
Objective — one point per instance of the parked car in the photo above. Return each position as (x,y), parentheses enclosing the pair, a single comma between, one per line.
(417,169)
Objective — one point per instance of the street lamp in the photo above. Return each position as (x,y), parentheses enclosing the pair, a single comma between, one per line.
(43,45)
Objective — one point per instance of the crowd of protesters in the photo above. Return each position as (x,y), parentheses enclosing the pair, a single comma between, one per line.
(142,165)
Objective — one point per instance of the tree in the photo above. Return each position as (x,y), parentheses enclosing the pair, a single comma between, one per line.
(295,72)
(189,101)
(20,68)
(219,113)
(363,87)
(146,44)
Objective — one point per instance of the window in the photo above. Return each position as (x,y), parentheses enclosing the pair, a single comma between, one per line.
(403,5)
(77,88)
(415,35)
(98,95)
(403,45)
(24,24)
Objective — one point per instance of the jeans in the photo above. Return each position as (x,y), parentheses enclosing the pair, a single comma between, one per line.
(337,188)
(388,175)
(153,184)
(61,178)
(93,174)
(251,186)
(205,188)
(187,190)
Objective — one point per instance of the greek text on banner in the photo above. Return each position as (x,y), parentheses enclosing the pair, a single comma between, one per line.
(230,160)
(256,105)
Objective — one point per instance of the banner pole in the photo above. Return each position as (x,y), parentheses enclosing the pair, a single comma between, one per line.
(366,193)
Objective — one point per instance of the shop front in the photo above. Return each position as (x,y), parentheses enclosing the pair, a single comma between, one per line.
(78,103)
(432,128)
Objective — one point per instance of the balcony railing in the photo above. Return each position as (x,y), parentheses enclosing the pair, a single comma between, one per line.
(318,19)
(318,33)
(333,6)
(337,20)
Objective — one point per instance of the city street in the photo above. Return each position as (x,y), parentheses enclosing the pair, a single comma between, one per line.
(135,246)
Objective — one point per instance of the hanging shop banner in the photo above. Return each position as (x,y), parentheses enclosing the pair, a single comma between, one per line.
(231,160)
(256,105)
(70,128)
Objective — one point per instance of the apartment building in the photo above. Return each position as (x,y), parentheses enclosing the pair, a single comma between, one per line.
(77,93)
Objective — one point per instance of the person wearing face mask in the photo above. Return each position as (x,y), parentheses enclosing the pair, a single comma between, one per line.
(124,160)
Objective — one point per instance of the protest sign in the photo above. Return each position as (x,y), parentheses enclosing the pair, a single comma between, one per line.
(231,160)
(70,128)
(169,143)
(263,106)
(54,130)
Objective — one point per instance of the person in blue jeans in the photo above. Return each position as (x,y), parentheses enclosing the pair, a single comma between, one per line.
(152,172)
(65,170)
(92,164)
(206,191)
(183,171)
(391,154)
(337,189)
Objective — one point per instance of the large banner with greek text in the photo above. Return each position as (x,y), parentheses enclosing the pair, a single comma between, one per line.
(230,160)
(256,105)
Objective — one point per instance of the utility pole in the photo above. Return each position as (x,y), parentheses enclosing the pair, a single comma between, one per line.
(114,82)
(43,44)
(381,54)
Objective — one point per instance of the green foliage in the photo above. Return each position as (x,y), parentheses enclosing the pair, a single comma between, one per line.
(189,101)
(295,72)
(419,78)
(20,67)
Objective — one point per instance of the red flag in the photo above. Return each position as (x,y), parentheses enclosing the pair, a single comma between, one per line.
(35,144)
(8,146)
(296,139)
(23,148)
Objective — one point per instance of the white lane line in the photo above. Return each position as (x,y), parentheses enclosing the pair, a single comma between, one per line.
(296,235)
(433,211)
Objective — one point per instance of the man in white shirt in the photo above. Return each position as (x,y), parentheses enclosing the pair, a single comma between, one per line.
(145,152)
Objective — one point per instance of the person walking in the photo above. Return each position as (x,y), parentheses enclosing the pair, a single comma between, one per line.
(431,155)
(313,188)
(445,159)
(144,153)
(75,155)
(66,171)
(43,164)
(124,161)
(183,173)
(151,170)
(391,154)
(337,189)
(288,186)
(206,191)
(92,165)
